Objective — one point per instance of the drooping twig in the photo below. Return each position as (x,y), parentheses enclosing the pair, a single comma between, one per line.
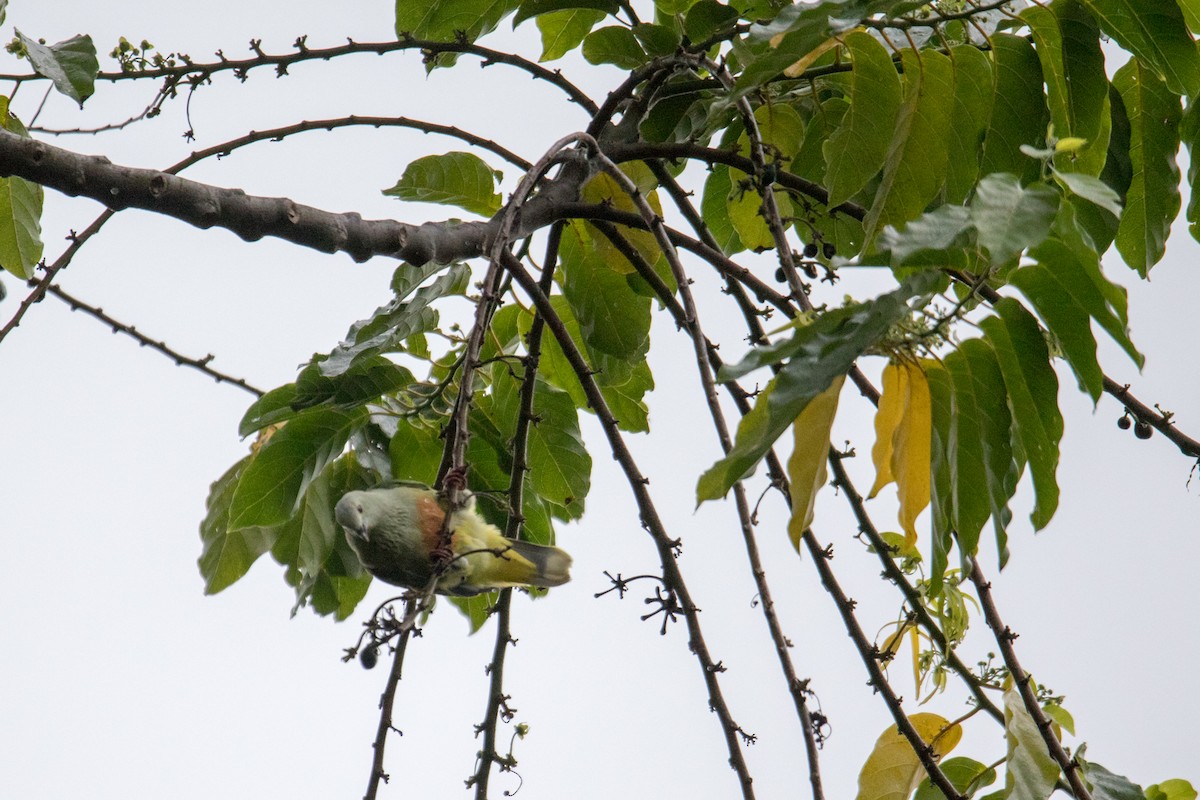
(1004,639)
(672,576)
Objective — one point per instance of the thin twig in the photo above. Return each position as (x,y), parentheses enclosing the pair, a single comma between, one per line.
(1004,638)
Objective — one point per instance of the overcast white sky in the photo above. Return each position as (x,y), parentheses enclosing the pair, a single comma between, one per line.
(120,679)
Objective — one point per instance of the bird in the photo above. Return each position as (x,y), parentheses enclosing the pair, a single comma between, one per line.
(396,533)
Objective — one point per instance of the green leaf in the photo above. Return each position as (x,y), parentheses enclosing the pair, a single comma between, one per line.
(273,483)
(1018,109)
(1031,771)
(228,554)
(1173,789)
(941,493)
(476,609)
(409,313)
(71,65)
(995,424)
(615,45)
(613,320)
(1068,46)
(1032,388)
(367,380)
(972,109)
(1106,785)
(915,166)
(563,31)
(447,20)
(856,150)
(20,213)
(1154,31)
(708,18)
(338,595)
(1066,319)
(1009,217)
(970,484)
(935,237)
(538,8)
(1153,201)
(416,452)
(1092,189)
(658,40)
(817,354)
(964,773)
(454,179)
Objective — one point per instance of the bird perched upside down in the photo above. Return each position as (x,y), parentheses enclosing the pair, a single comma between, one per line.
(396,533)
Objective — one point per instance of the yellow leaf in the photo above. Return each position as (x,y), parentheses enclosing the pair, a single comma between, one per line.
(806,468)
(893,770)
(804,63)
(911,450)
(887,419)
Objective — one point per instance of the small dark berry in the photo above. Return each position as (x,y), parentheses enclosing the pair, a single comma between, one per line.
(1124,423)
(810,250)
(779,276)
(829,251)
(1143,430)
(369,657)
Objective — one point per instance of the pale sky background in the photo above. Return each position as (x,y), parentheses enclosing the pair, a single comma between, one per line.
(120,679)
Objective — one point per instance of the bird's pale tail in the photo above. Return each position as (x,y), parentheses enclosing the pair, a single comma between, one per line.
(553,565)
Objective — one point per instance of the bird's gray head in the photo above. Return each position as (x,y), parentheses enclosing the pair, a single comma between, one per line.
(350,513)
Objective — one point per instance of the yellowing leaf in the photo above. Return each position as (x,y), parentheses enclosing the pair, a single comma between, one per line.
(910,450)
(887,419)
(806,62)
(902,438)
(893,769)
(806,468)
(604,190)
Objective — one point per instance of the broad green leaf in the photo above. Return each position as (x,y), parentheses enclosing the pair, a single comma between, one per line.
(416,452)
(1031,770)
(71,65)
(1154,31)
(476,609)
(367,380)
(1068,46)
(1032,388)
(937,237)
(708,18)
(894,769)
(1153,201)
(856,150)
(538,8)
(338,595)
(941,404)
(1189,131)
(273,483)
(615,45)
(810,158)
(1019,112)
(1173,789)
(560,466)
(658,40)
(228,553)
(613,320)
(1106,785)
(968,457)
(915,166)
(807,468)
(971,111)
(816,355)
(408,314)
(999,462)
(20,213)
(446,20)
(1092,189)
(455,179)
(1010,217)
(1066,319)
(714,206)
(563,31)
(965,773)
(781,130)
(604,190)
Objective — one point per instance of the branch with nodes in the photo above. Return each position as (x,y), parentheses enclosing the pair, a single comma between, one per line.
(1004,639)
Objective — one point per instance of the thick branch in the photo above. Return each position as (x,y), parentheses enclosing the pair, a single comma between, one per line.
(252,218)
